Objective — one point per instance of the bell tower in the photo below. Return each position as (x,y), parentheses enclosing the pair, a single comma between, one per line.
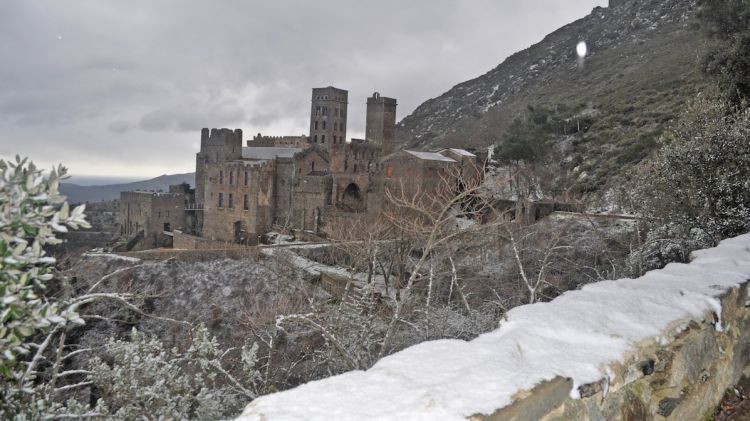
(381,122)
(328,117)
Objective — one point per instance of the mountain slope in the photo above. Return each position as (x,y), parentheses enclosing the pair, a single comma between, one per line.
(641,68)
(78,194)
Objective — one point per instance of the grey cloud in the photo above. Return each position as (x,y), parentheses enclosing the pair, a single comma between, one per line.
(142,73)
(121,126)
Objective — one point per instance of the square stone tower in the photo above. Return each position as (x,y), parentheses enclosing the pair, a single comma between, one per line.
(328,116)
(380,127)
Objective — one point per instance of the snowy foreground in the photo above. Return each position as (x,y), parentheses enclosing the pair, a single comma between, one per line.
(577,336)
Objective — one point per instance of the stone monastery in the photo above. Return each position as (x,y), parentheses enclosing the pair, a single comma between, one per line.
(286,182)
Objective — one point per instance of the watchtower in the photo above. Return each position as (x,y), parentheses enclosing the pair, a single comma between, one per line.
(328,116)
(218,145)
(380,127)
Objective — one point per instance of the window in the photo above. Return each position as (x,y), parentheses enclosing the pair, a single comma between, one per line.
(324,125)
(323,139)
(231,201)
(335,125)
(389,171)
(167,214)
(316,125)
(246,178)
(167,227)
(315,139)
(346,164)
(231,178)
(355,167)
(159,214)
(221,177)
(317,110)
(221,200)
(245,205)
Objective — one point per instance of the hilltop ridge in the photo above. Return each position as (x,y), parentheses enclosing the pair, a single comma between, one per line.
(639,71)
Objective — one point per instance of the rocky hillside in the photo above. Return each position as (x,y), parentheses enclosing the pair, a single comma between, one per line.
(640,70)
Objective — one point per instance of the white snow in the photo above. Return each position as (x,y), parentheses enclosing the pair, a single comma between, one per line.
(578,335)
(430,156)
(111,256)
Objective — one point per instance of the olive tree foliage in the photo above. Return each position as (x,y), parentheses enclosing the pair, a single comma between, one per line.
(43,376)
(32,211)
(696,190)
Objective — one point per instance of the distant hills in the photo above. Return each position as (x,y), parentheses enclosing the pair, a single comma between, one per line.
(641,69)
(79,194)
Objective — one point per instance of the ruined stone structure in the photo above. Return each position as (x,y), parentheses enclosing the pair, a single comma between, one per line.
(302,182)
(148,218)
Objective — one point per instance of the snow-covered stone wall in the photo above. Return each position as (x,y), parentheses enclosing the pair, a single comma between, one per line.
(664,345)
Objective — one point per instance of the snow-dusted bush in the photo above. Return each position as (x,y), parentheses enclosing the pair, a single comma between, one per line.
(31,212)
(143,379)
(696,190)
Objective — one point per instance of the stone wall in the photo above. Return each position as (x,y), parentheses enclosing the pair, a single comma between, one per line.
(185,241)
(152,213)
(279,141)
(666,345)
(240,200)
(682,379)
(251,253)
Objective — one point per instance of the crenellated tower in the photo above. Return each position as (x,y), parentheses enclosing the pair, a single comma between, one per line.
(218,145)
(380,126)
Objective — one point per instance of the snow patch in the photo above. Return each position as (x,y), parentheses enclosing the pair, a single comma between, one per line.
(111,256)
(578,335)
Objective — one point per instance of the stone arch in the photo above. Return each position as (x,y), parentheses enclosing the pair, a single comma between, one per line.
(352,198)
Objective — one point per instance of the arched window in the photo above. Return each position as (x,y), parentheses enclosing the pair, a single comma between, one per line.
(324,125)
(316,125)
(323,139)
(315,139)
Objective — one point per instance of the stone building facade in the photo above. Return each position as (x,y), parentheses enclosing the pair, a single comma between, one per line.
(150,217)
(302,182)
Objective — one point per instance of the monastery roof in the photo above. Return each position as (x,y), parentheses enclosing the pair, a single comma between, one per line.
(430,156)
(262,153)
(462,152)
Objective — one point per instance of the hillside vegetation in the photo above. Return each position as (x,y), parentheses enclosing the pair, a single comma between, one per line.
(642,66)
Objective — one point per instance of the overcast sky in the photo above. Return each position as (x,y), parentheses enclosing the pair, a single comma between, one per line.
(123,87)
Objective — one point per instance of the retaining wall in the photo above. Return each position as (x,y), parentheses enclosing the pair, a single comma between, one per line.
(663,346)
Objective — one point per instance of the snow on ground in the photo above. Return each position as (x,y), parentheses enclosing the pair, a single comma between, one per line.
(314,268)
(577,336)
(111,256)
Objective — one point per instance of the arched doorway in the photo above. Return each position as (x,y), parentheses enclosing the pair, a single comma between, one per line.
(351,199)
